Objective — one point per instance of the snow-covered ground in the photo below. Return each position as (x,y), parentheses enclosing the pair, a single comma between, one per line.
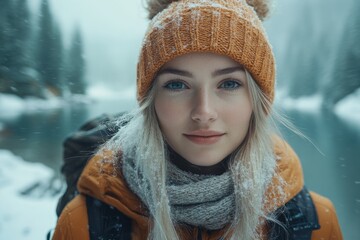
(27,204)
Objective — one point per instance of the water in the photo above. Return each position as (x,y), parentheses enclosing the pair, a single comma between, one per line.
(333,170)
(38,137)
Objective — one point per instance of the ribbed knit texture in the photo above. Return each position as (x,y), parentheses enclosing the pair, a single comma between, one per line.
(206,201)
(226,27)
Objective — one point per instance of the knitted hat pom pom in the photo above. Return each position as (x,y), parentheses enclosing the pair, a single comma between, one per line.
(262,7)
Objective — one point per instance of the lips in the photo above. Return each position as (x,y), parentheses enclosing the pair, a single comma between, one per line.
(205,137)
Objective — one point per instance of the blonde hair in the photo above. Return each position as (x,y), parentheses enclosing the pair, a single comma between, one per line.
(252,165)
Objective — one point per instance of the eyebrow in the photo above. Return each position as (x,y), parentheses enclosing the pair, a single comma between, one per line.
(188,74)
(227,70)
(175,71)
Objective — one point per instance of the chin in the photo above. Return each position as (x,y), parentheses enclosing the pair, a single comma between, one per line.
(205,162)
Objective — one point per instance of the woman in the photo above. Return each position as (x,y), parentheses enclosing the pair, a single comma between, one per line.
(200,158)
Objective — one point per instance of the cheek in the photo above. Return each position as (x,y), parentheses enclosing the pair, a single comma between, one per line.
(167,111)
(239,115)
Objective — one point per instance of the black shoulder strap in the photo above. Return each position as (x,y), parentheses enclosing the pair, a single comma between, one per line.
(298,218)
(106,222)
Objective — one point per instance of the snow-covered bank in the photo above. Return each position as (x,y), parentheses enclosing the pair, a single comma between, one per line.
(25,216)
(310,104)
(348,108)
(103,92)
(11,102)
(12,106)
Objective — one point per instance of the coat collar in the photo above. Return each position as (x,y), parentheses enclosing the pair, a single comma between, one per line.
(103,180)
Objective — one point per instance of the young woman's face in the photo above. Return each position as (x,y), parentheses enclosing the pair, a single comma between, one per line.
(203,106)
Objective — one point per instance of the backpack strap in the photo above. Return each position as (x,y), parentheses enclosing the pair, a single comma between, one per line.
(106,222)
(298,218)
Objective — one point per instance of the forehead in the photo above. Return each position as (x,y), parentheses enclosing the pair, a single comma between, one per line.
(195,60)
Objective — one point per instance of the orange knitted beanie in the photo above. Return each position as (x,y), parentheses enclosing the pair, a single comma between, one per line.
(226,27)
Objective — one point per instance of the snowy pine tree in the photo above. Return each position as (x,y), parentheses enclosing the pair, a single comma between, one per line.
(15,62)
(7,27)
(76,65)
(49,51)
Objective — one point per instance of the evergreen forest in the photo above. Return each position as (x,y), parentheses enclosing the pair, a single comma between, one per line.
(33,59)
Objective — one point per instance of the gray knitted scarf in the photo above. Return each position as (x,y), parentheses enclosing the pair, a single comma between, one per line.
(199,200)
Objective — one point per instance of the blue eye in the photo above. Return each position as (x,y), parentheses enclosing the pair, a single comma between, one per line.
(175,86)
(230,85)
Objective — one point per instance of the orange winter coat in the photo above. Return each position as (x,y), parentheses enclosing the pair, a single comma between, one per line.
(101,181)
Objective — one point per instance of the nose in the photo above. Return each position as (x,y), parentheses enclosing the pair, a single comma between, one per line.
(203,109)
